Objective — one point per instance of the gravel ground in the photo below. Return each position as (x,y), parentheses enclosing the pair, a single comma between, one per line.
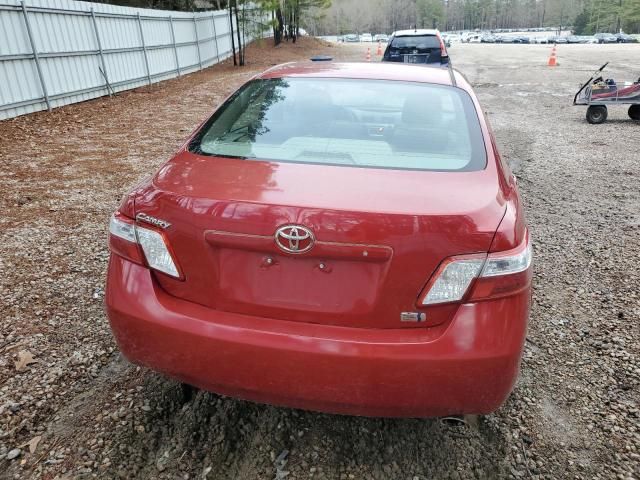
(71,407)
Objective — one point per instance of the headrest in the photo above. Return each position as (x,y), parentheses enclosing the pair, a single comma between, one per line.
(424,109)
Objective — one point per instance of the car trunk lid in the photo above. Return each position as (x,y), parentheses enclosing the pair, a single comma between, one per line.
(377,236)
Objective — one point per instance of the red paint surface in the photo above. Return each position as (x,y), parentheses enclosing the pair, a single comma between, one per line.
(467,366)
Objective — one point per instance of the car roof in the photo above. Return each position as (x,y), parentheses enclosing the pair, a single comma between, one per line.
(416,32)
(369,71)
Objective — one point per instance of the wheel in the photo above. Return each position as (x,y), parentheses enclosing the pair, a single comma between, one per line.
(596,114)
(634,112)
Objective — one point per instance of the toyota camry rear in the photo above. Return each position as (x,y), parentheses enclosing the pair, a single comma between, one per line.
(335,237)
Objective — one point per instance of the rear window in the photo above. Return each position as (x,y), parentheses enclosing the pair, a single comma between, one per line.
(422,43)
(363,123)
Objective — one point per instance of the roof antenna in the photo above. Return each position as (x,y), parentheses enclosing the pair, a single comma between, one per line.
(452,75)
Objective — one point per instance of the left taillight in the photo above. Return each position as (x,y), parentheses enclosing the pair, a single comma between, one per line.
(142,245)
(492,276)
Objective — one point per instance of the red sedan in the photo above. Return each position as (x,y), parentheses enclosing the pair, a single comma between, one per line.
(335,237)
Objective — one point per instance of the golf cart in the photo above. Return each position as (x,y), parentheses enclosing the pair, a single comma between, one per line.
(598,93)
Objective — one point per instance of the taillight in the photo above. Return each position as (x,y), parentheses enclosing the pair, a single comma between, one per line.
(496,275)
(140,244)
(156,251)
(452,279)
(443,47)
(505,273)
(123,240)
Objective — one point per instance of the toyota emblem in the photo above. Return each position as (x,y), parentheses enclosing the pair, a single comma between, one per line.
(294,238)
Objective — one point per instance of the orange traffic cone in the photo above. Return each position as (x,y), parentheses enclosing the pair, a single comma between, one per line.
(553,61)
(368,54)
(379,52)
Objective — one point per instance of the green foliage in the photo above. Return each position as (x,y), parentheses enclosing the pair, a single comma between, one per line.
(385,16)
(581,23)
(608,16)
(631,16)
(430,13)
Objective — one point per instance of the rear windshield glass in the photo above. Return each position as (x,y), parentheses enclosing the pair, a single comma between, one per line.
(365,123)
(416,42)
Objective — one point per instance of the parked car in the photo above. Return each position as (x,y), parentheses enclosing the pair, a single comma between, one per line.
(466,36)
(542,39)
(488,38)
(255,263)
(366,37)
(454,38)
(521,39)
(381,37)
(624,38)
(606,38)
(557,39)
(352,37)
(416,46)
(504,39)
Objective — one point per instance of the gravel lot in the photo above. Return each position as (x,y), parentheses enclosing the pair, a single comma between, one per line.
(80,411)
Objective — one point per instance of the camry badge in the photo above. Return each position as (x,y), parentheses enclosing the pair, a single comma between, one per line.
(294,239)
(143,217)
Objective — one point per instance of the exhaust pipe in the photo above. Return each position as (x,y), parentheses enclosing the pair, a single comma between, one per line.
(470,421)
(453,421)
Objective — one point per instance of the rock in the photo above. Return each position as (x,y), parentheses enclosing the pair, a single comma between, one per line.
(13,454)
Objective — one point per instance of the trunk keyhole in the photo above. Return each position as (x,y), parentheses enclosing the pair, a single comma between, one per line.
(268,262)
(323,267)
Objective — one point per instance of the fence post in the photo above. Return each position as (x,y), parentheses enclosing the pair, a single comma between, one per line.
(231,40)
(215,37)
(35,56)
(195,29)
(144,49)
(173,41)
(104,65)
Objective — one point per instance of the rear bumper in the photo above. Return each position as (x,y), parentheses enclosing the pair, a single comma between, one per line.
(468,367)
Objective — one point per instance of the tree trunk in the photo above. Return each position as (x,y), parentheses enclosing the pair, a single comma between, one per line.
(233,44)
(240,46)
(274,28)
(279,26)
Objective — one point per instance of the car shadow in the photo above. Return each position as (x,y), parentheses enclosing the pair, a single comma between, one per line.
(179,432)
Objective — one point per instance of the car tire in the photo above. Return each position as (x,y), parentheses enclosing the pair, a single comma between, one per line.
(634,112)
(596,114)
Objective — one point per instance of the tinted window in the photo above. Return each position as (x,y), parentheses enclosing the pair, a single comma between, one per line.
(416,42)
(366,123)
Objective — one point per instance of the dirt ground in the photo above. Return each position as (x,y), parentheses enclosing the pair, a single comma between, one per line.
(81,411)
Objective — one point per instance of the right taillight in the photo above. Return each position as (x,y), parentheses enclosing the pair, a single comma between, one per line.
(505,273)
(490,276)
(443,47)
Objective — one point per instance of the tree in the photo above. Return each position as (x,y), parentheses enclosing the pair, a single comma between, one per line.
(386,16)
(430,13)
(608,16)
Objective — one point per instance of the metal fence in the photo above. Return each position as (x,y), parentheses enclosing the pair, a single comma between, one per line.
(57,52)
